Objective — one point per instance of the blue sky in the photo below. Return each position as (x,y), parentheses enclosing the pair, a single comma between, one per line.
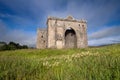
(19,19)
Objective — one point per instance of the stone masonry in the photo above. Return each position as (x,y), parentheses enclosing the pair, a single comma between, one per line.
(63,33)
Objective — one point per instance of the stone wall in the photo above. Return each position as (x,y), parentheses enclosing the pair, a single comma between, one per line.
(41,38)
(64,33)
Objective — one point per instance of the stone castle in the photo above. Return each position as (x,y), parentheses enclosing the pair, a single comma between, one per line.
(62,33)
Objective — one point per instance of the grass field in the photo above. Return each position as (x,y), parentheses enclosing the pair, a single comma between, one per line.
(100,63)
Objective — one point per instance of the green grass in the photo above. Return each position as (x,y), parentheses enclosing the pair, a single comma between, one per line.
(100,63)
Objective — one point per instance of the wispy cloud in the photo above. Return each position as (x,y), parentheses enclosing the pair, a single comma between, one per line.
(105,36)
(96,12)
(29,14)
(2,28)
(20,36)
(107,32)
(104,41)
(16,35)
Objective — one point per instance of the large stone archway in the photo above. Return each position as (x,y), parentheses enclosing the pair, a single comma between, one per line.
(70,38)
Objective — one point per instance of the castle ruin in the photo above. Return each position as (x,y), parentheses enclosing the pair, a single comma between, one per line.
(63,33)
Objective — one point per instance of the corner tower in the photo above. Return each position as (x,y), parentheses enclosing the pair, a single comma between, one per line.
(41,39)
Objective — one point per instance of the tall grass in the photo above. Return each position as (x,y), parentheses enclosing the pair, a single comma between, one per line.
(67,64)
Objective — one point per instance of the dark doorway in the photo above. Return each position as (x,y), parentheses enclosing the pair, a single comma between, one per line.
(70,39)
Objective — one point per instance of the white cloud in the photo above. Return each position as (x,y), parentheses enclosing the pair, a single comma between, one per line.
(103,41)
(105,36)
(18,20)
(107,32)
(2,28)
(97,13)
(21,37)
(18,36)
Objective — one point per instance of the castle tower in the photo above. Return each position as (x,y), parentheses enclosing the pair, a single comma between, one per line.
(63,33)
(41,39)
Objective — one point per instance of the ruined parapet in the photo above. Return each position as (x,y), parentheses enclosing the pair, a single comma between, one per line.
(68,18)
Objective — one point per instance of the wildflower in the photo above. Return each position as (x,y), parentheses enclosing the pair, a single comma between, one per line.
(45,63)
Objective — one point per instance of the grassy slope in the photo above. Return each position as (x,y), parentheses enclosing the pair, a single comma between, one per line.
(67,64)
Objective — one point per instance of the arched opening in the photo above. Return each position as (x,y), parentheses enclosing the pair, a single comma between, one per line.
(70,38)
